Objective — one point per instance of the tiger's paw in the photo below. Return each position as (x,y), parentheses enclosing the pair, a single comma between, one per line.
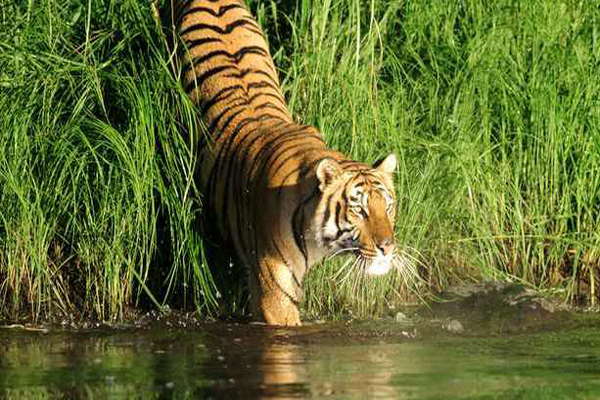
(283,321)
(281,313)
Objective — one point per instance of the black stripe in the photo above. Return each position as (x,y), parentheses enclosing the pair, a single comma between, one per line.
(262,84)
(344,195)
(190,44)
(224,151)
(219,160)
(266,117)
(222,11)
(220,95)
(239,55)
(242,74)
(230,118)
(206,75)
(298,220)
(272,147)
(253,22)
(235,57)
(205,57)
(305,145)
(327,212)
(261,159)
(236,175)
(226,177)
(246,149)
(296,302)
(350,165)
(299,155)
(256,135)
(300,170)
(217,29)
(268,104)
(267,165)
(291,132)
(215,121)
(340,232)
(338,215)
(287,263)
(184,4)
(268,94)
(232,190)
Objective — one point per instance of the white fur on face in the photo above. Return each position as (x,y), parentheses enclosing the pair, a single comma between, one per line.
(380,265)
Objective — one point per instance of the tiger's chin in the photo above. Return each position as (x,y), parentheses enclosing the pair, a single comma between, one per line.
(378,266)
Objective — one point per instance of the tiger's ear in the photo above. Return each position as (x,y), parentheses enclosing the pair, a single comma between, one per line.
(328,170)
(387,164)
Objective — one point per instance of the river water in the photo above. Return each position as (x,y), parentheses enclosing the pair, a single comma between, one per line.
(377,359)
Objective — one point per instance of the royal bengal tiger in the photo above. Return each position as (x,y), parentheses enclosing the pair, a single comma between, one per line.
(272,186)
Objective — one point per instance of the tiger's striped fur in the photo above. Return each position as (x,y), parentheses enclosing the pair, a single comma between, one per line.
(275,190)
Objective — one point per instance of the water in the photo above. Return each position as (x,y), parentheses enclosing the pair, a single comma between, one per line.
(375,360)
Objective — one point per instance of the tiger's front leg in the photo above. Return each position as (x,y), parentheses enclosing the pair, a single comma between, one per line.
(275,293)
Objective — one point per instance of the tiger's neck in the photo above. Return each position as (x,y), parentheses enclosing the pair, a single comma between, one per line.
(305,236)
(306,222)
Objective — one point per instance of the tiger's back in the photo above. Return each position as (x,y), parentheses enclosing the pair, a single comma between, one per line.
(228,72)
(227,67)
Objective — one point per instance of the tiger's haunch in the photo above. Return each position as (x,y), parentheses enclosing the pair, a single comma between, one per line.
(274,189)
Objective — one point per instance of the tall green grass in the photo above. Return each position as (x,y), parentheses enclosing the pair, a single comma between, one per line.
(493,109)
(92,155)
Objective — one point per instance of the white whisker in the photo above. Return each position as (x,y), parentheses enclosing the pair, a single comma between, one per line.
(344,267)
(341,251)
(352,269)
(410,257)
(406,264)
(360,275)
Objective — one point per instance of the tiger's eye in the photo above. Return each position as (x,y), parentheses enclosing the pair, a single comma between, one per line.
(359,211)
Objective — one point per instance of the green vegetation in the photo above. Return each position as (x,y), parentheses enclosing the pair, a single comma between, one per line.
(493,109)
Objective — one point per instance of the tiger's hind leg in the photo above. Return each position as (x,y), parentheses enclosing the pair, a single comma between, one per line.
(230,278)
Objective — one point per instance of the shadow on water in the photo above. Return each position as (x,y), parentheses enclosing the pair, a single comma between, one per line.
(384,359)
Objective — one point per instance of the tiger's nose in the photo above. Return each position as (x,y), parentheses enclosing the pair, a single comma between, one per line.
(386,247)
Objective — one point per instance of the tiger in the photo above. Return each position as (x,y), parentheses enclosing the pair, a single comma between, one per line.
(273,189)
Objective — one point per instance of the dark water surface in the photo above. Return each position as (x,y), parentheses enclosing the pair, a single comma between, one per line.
(334,360)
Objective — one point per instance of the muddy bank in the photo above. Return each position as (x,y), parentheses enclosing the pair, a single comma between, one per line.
(467,310)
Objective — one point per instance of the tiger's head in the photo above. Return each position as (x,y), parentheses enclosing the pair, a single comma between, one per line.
(357,211)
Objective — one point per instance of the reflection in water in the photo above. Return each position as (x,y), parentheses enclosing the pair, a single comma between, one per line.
(282,370)
(230,361)
(253,362)
(150,364)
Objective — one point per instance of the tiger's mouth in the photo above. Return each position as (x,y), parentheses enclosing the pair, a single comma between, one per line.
(370,261)
(375,263)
